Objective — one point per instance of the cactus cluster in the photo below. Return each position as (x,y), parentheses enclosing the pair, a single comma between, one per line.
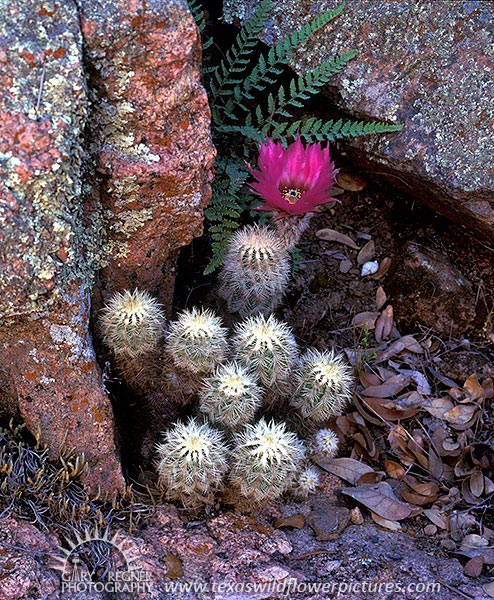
(326,443)
(255,272)
(306,482)
(265,461)
(255,461)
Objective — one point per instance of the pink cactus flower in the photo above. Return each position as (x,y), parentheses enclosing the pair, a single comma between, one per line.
(293,180)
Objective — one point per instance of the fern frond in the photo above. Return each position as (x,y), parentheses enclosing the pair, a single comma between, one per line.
(267,71)
(230,70)
(225,208)
(316,130)
(300,89)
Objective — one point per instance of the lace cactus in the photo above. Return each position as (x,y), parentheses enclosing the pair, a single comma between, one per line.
(265,460)
(132,323)
(326,443)
(323,385)
(267,348)
(306,482)
(192,461)
(230,396)
(255,272)
(197,341)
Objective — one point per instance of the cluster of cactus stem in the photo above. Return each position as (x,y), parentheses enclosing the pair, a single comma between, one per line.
(230,445)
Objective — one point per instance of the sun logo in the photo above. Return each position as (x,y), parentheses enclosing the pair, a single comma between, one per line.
(96,560)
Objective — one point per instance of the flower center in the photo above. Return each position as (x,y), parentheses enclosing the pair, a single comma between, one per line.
(291,195)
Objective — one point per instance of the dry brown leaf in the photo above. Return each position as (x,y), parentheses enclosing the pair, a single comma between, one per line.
(380,498)
(381,297)
(488,386)
(336,191)
(476,482)
(436,467)
(383,269)
(374,477)
(331,235)
(474,566)
(488,485)
(395,348)
(367,378)
(437,517)
(489,589)
(388,410)
(394,469)
(466,493)
(173,566)
(460,416)
(295,521)
(472,541)
(437,407)
(389,388)
(365,319)
(386,523)
(411,344)
(398,440)
(351,182)
(420,493)
(367,253)
(349,469)
(384,324)
(472,388)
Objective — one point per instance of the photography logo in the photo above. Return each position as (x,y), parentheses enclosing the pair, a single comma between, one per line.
(115,557)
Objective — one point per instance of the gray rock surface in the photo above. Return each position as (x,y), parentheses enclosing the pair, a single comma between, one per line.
(428,65)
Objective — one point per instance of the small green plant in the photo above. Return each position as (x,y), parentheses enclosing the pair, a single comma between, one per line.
(132,323)
(323,385)
(249,105)
(192,461)
(265,460)
(364,353)
(267,348)
(255,272)
(231,396)
(197,341)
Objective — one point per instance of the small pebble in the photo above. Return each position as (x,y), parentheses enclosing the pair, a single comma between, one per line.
(369,268)
(356,516)
(345,266)
(430,529)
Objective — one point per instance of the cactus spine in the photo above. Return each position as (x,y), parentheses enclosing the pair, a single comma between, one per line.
(265,460)
(323,383)
(197,341)
(231,396)
(192,461)
(255,272)
(132,323)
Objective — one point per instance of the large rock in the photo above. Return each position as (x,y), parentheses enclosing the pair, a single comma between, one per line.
(425,64)
(127,98)
(150,131)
